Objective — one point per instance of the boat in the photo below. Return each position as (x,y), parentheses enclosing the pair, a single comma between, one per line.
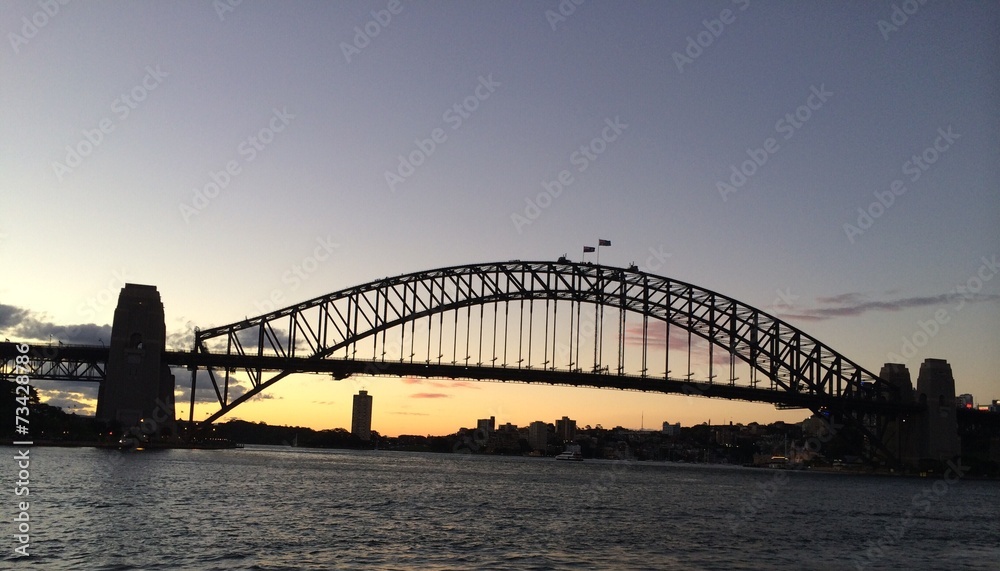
(572,453)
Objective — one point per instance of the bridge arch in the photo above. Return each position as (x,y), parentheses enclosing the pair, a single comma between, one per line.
(324,333)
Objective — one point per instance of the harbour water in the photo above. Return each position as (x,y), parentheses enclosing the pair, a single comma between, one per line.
(293,508)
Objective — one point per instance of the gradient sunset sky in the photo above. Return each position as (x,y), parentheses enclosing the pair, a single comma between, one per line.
(833,163)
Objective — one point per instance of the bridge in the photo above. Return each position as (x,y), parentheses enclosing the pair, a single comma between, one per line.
(559,323)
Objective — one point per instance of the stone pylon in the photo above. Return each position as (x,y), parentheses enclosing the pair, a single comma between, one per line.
(138,390)
(900,435)
(938,438)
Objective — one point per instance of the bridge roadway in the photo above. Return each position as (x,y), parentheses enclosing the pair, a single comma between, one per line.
(343,368)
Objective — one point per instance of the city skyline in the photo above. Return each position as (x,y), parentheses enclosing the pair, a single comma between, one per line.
(832,165)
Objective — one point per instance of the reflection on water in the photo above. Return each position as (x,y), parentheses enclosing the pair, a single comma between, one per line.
(285,508)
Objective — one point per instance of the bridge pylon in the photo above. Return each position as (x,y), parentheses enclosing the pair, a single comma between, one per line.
(139,389)
(930,435)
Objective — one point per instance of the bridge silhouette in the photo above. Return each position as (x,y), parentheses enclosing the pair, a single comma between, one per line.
(559,323)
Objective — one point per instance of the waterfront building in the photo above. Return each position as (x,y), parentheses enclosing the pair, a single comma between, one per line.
(487,425)
(361,419)
(566,429)
(538,435)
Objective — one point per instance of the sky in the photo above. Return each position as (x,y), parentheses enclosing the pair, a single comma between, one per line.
(832,163)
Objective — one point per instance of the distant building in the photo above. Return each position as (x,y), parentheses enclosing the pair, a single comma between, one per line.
(965,401)
(566,429)
(487,425)
(538,435)
(671,429)
(508,427)
(361,419)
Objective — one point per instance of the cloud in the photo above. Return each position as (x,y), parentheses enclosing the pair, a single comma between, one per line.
(429,396)
(251,337)
(856,304)
(28,325)
(80,398)
(11,316)
(205,393)
(464,385)
(410,413)
(844,298)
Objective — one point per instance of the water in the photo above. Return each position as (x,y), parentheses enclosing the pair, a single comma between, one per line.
(293,508)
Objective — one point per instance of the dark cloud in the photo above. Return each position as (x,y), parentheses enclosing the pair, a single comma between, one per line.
(11,316)
(855,304)
(205,392)
(429,396)
(842,299)
(70,396)
(24,324)
(250,337)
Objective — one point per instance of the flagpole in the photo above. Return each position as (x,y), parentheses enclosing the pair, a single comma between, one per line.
(601,242)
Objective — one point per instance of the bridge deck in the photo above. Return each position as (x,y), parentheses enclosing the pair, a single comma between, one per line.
(343,368)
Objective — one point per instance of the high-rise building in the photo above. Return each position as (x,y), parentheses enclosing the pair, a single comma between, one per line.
(538,435)
(566,429)
(361,419)
(965,401)
(487,425)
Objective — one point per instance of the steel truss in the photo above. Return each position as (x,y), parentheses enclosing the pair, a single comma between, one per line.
(56,363)
(799,370)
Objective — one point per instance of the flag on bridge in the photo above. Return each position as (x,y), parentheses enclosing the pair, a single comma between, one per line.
(587,249)
(604,242)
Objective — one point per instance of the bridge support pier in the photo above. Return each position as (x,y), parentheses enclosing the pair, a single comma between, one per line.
(139,389)
(930,436)
(938,437)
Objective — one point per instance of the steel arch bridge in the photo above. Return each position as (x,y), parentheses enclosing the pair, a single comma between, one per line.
(560,322)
